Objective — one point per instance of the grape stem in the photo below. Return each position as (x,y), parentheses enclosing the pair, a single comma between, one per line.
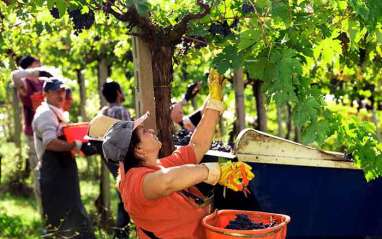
(261,23)
(197,40)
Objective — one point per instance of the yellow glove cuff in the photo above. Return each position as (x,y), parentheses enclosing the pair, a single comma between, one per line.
(213,173)
(216,105)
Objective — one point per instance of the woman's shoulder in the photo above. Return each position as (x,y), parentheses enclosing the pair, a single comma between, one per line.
(138,171)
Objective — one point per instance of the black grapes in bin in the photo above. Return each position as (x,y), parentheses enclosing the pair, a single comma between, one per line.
(243,222)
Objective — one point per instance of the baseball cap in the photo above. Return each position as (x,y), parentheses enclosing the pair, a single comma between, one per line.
(117,139)
(53,84)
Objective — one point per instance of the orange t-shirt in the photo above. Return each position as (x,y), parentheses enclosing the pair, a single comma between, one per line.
(168,217)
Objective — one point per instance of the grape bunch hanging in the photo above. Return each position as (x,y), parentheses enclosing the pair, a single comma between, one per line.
(55,13)
(243,222)
(187,43)
(81,20)
(246,8)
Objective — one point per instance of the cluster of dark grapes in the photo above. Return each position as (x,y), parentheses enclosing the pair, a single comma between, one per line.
(81,21)
(220,146)
(243,222)
(182,137)
(221,28)
(187,43)
(246,8)
(55,13)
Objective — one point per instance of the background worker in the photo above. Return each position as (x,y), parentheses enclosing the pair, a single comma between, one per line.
(188,122)
(156,193)
(115,96)
(64,213)
(28,82)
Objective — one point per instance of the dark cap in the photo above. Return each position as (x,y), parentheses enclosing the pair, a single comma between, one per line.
(117,139)
(26,61)
(53,84)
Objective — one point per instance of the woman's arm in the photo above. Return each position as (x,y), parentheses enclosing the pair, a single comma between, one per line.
(204,132)
(168,180)
(19,74)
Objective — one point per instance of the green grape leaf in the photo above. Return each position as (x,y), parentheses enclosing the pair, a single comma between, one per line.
(129,3)
(286,65)
(360,8)
(142,7)
(379,35)
(263,3)
(249,38)
(260,69)
(39,3)
(330,48)
(280,14)
(39,28)
(315,132)
(61,5)
(300,1)
(229,57)
(305,111)
(342,5)
(51,3)
(48,28)
(353,28)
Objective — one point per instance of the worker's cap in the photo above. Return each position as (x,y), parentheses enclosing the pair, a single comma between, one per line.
(117,138)
(53,84)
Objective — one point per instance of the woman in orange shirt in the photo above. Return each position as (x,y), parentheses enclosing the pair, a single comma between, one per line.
(158,193)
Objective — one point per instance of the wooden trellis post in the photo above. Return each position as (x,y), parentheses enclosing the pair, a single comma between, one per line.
(144,87)
(105,197)
(239,98)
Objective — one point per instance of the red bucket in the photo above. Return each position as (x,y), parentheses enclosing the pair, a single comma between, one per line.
(76,131)
(216,222)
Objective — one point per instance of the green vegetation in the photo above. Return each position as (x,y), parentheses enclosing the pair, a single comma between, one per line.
(18,212)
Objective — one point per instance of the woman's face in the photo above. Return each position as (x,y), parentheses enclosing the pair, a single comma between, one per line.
(149,140)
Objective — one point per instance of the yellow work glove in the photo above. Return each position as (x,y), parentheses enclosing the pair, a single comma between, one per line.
(227,174)
(230,173)
(215,85)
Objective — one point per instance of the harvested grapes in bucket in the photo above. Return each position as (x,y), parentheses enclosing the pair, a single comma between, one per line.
(243,222)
